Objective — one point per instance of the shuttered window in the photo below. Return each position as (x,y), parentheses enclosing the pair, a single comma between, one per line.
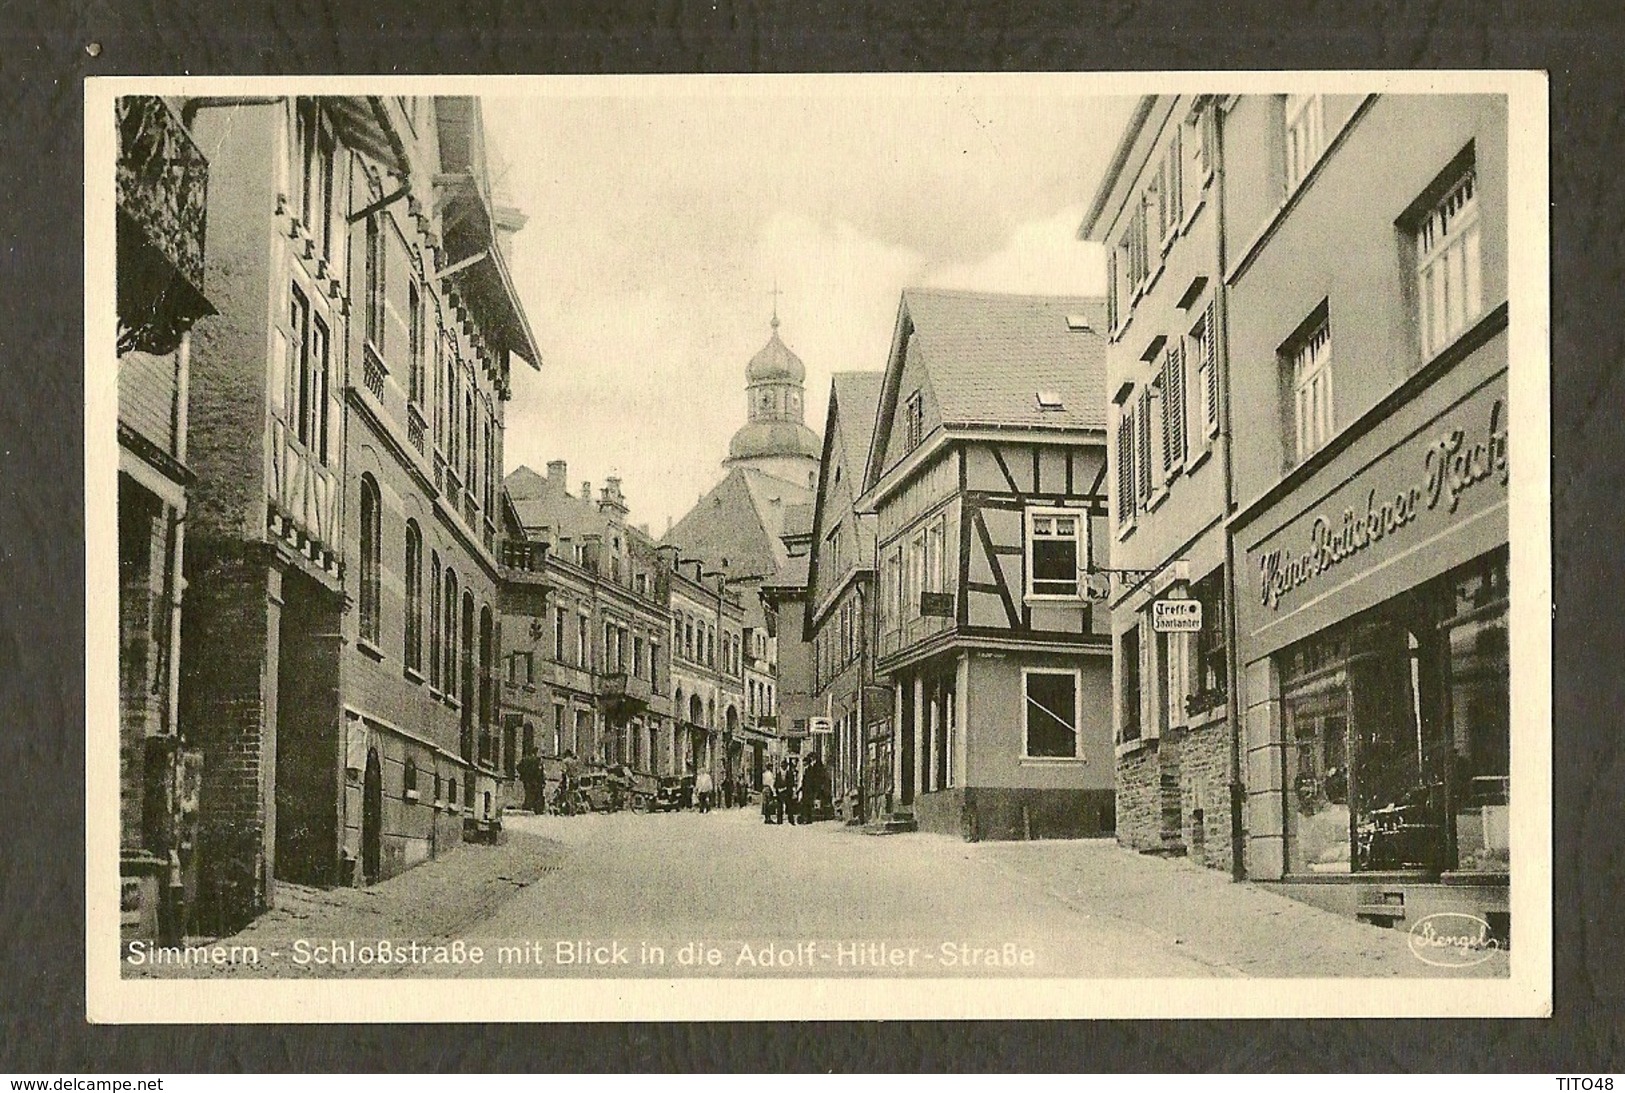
(1125,466)
(1173,418)
(1142,447)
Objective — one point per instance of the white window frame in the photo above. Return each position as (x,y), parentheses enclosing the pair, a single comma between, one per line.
(1449,265)
(1078,755)
(1314,418)
(1304,133)
(1081,551)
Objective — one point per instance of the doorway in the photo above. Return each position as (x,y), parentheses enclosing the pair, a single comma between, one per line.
(372,818)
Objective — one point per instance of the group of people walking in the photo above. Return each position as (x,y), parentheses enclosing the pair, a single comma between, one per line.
(795,792)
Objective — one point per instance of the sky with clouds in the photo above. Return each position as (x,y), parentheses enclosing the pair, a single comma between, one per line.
(661,214)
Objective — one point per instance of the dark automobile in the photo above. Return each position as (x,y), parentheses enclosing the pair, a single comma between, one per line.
(669,795)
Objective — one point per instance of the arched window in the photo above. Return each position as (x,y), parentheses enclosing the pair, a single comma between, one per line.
(487,678)
(688,637)
(414,596)
(371,543)
(448,675)
(467,679)
(434,621)
(710,647)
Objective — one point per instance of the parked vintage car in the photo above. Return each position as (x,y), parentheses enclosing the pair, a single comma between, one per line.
(598,791)
(668,795)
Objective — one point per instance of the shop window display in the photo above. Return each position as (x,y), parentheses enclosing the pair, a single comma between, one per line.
(1397,733)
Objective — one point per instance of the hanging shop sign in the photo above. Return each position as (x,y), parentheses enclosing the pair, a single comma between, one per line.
(1176,616)
(1429,481)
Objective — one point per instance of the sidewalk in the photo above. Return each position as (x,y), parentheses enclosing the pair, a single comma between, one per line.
(1239,929)
(428,902)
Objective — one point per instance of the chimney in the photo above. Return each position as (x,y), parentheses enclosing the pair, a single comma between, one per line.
(586,491)
(559,471)
(610,500)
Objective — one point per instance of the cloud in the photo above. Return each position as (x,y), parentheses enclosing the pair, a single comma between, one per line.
(1041,257)
(662,212)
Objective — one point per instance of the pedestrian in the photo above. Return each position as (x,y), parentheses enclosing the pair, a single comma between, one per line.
(817,788)
(727,800)
(786,786)
(567,783)
(533,780)
(702,786)
(770,799)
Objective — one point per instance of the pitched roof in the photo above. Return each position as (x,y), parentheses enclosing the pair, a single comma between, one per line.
(539,501)
(986,357)
(858,396)
(989,355)
(738,524)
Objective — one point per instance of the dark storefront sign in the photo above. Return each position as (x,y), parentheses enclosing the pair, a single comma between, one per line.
(1389,516)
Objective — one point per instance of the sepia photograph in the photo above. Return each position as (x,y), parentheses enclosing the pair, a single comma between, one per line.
(848,546)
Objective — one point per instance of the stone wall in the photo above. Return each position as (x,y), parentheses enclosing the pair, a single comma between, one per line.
(1204,776)
(1139,797)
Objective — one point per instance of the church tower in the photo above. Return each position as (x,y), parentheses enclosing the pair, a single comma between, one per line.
(775,439)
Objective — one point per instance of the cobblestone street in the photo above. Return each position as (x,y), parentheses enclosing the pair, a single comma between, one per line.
(815,900)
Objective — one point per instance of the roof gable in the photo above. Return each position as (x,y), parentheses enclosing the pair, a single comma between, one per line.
(738,524)
(986,356)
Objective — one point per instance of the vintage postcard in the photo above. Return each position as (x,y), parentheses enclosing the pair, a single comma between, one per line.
(609,548)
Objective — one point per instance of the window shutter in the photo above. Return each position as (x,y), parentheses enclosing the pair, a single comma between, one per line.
(1125,466)
(1174,388)
(1167,419)
(1210,362)
(1111,290)
(1176,182)
(1143,445)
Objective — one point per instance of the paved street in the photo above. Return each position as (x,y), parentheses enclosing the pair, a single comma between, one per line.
(723,894)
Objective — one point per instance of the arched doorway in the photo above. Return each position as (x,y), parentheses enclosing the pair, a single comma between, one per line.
(372,818)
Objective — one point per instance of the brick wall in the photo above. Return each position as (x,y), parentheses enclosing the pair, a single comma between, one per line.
(141,692)
(1139,797)
(228,703)
(1204,774)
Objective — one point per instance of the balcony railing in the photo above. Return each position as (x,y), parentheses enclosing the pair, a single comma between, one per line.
(415,427)
(303,492)
(162,181)
(373,373)
(471,512)
(623,686)
(528,557)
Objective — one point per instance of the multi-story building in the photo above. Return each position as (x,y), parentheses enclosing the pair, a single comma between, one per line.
(347,413)
(755,526)
(840,605)
(986,475)
(584,620)
(1157,211)
(708,676)
(1365,245)
(162,199)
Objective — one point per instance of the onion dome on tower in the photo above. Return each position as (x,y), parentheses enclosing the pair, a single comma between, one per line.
(776,439)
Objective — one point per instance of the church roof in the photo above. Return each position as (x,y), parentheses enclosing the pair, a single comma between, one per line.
(769,438)
(737,526)
(775,362)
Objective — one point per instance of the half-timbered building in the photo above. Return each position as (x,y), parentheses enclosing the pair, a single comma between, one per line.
(986,474)
(347,418)
(840,606)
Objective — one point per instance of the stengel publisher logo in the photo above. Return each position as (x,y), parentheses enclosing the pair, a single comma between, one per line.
(1452,939)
